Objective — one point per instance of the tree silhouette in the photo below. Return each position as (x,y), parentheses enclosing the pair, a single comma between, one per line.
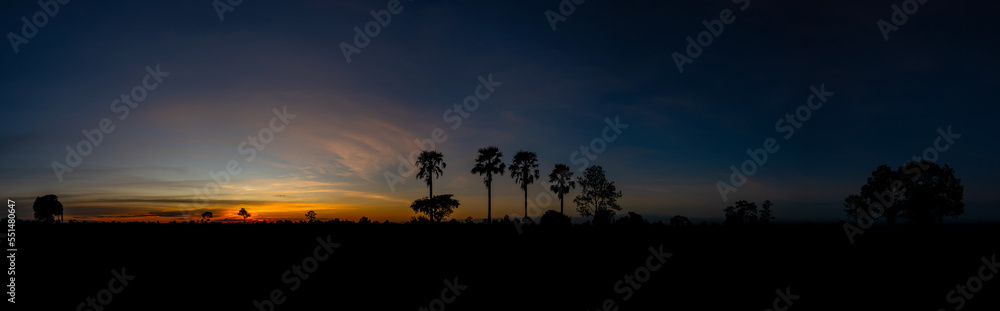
(680,221)
(746,213)
(885,184)
(598,196)
(489,162)
(206,216)
(431,163)
(931,192)
(524,170)
(243,212)
(561,179)
(436,208)
(917,192)
(46,207)
(555,219)
(311,216)
(631,219)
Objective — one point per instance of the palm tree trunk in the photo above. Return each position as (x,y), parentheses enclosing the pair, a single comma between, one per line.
(525,201)
(489,204)
(430,183)
(561,205)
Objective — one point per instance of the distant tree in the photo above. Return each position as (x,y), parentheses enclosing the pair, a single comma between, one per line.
(311,216)
(766,214)
(46,207)
(631,219)
(561,179)
(364,220)
(598,196)
(243,212)
(554,219)
(206,216)
(746,213)
(419,220)
(917,192)
(437,208)
(489,162)
(524,170)
(681,221)
(431,165)
(469,220)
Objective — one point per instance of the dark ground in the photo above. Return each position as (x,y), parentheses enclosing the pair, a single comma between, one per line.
(403,266)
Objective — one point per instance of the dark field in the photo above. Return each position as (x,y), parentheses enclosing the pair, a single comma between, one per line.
(404,266)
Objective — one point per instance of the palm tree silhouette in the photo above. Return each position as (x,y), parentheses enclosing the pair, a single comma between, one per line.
(562,180)
(521,170)
(489,162)
(431,163)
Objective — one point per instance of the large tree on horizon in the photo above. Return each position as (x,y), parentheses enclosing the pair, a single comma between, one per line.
(489,162)
(561,179)
(46,207)
(598,196)
(431,165)
(524,170)
(436,208)
(917,192)
(243,212)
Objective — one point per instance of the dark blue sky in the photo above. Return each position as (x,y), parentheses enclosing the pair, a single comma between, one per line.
(607,60)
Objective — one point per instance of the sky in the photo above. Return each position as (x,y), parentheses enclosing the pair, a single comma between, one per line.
(273,77)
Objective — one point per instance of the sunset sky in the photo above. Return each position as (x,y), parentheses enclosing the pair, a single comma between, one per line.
(606,61)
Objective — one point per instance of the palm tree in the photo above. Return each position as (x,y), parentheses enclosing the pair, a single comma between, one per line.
(431,163)
(524,170)
(489,162)
(561,179)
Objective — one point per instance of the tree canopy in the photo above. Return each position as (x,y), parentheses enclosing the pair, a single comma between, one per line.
(917,192)
(436,208)
(598,196)
(47,207)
